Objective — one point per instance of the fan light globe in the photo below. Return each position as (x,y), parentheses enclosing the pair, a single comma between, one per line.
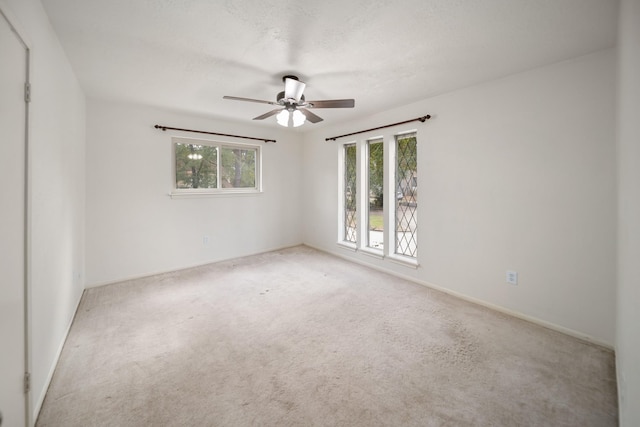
(298,118)
(288,118)
(283,118)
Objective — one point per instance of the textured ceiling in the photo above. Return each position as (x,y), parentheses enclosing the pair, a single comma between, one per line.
(186,54)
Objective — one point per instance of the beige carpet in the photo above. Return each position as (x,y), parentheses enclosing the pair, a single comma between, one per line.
(301,338)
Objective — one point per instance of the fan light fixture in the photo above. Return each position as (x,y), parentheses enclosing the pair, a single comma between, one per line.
(293,110)
(287,118)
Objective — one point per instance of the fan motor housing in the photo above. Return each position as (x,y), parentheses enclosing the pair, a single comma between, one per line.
(280,96)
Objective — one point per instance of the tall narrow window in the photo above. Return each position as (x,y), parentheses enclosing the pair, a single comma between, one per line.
(350,193)
(375,219)
(406,195)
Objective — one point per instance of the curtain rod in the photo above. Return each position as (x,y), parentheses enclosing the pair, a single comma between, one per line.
(164,128)
(422,119)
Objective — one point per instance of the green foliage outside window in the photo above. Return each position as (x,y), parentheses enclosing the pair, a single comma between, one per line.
(407,153)
(196,166)
(376,174)
(200,166)
(238,168)
(350,193)
(407,167)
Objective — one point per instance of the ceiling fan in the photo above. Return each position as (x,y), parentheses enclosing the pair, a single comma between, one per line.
(294,109)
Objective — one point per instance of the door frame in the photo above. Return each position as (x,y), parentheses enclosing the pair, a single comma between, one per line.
(13,23)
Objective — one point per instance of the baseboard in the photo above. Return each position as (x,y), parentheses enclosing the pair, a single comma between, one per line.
(43,393)
(549,325)
(187,267)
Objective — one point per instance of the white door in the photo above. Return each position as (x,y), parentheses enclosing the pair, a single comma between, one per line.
(13,72)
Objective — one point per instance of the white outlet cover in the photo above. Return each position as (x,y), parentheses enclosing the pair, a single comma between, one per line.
(512,277)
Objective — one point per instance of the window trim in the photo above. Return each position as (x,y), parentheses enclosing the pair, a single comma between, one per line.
(220,191)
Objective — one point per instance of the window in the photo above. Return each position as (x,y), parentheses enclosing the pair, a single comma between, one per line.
(379,197)
(375,219)
(209,167)
(196,166)
(406,214)
(350,194)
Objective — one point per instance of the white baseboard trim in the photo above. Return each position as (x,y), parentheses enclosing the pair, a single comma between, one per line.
(498,308)
(43,393)
(187,267)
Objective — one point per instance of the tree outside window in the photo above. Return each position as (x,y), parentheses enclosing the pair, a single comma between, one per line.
(208,167)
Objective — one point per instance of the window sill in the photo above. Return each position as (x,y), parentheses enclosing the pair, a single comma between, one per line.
(375,253)
(199,194)
(347,245)
(403,260)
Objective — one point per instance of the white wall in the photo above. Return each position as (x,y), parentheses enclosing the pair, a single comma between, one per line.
(134,228)
(628,337)
(515,174)
(57,136)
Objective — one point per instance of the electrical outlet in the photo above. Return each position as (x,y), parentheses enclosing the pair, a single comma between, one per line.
(205,241)
(512,277)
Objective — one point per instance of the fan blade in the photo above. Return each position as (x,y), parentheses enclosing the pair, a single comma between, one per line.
(236,98)
(269,114)
(293,89)
(332,103)
(310,116)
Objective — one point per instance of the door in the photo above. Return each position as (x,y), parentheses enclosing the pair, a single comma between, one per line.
(13,119)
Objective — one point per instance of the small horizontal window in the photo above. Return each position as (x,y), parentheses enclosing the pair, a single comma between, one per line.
(210,167)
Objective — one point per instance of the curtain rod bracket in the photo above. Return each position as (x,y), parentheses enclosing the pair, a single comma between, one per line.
(421,119)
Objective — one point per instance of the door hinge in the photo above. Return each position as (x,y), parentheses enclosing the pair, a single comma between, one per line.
(27,92)
(27,382)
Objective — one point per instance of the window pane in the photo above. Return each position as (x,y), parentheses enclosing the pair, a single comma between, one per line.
(196,166)
(238,168)
(350,193)
(407,195)
(376,196)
